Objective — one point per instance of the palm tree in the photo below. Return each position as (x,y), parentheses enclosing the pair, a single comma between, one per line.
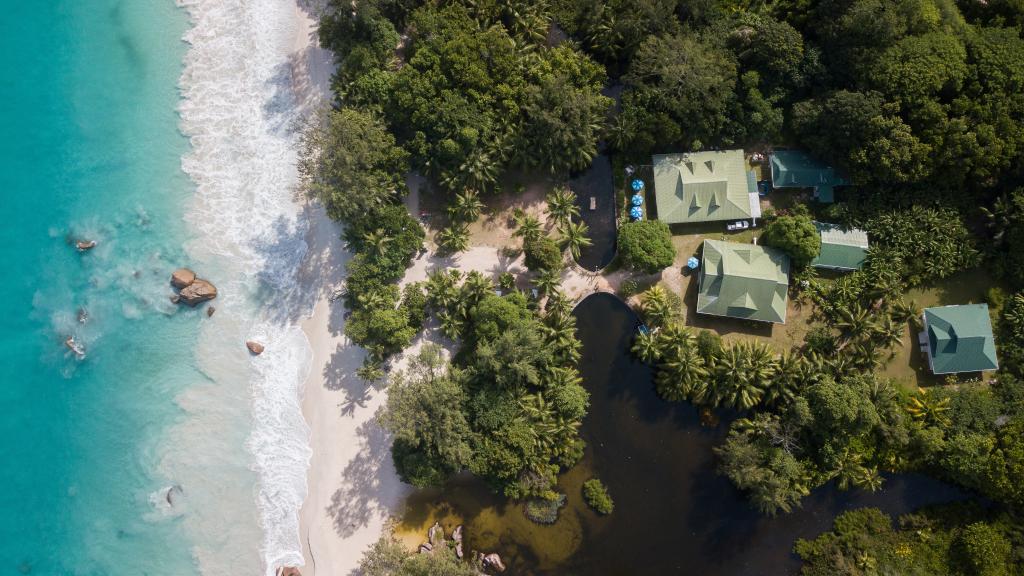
(377,241)
(574,237)
(442,288)
(656,307)
(683,375)
(478,171)
(645,346)
(467,206)
(557,304)
(562,205)
(452,324)
(546,281)
(476,287)
(743,371)
(784,386)
(454,238)
(528,228)
(926,409)
(855,322)
(373,300)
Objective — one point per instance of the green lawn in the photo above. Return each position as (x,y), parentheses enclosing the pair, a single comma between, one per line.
(909,366)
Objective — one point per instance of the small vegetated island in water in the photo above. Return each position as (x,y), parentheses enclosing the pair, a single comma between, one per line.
(820,223)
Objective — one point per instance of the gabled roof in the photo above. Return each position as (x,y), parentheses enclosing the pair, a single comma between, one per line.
(841,249)
(960,339)
(797,169)
(702,187)
(743,281)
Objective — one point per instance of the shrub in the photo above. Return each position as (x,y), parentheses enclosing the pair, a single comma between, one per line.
(596,496)
(985,550)
(543,510)
(542,254)
(414,304)
(795,235)
(646,246)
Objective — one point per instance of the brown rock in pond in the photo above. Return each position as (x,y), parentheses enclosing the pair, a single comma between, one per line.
(457,533)
(84,245)
(182,277)
(458,550)
(198,291)
(436,534)
(492,560)
(254,347)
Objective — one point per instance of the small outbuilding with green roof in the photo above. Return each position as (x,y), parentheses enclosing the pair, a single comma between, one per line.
(798,169)
(959,339)
(843,249)
(704,187)
(743,281)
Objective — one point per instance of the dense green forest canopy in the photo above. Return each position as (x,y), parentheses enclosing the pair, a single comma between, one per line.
(918,103)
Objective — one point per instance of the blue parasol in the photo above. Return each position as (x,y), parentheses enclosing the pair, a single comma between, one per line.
(636,200)
(692,263)
(638,185)
(636,213)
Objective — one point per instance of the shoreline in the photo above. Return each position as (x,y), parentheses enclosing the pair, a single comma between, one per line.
(352,487)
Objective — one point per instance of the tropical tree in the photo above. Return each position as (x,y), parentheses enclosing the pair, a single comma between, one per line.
(682,375)
(527,227)
(378,242)
(454,238)
(925,408)
(562,206)
(574,237)
(546,281)
(742,373)
(467,206)
(476,287)
(646,347)
(656,307)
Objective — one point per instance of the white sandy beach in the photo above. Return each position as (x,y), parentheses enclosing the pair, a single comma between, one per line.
(353,486)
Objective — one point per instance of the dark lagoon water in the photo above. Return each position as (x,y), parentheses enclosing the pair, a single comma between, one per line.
(596,182)
(673,513)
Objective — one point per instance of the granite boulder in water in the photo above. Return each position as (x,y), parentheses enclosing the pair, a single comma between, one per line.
(182,278)
(198,291)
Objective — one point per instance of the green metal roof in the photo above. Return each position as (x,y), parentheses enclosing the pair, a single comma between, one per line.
(841,249)
(702,187)
(743,281)
(797,169)
(960,339)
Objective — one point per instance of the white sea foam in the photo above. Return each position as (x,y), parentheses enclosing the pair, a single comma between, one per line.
(239,112)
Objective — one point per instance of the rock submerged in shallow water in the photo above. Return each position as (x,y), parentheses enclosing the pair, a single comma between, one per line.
(288,571)
(84,245)
(492,560)
(182,278)
(210,311)
(254,347)
(198,291)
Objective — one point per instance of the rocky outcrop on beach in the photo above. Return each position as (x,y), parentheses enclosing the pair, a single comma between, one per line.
(192,290)
(255,347)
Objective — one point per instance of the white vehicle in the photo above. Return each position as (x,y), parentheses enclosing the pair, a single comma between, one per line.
(738,225)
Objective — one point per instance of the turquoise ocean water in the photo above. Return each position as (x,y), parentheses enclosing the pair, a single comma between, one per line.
(165,131)
(90,147)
